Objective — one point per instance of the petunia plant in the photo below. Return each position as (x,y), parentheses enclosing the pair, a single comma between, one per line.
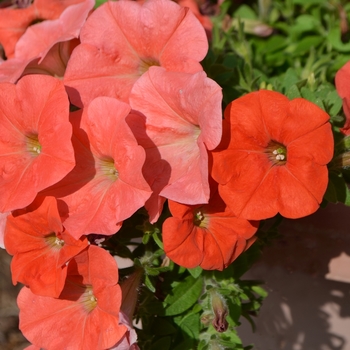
(174,135)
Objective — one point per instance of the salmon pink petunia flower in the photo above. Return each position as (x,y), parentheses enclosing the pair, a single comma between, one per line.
(107,185)
(41,248)
(3,220)
(15,20)
(85,316)
(342,79)
(206,235)
(193,5)
(180,120)
(133,38)
(273,156)
(46,47)
(35,139)
(129,340)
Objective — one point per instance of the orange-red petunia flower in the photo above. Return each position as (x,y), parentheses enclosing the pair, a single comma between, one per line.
(106,186)
(273,156)
(133,38)
(206,235)
(85,316)
(181,119)
(41,248)
(35,139)
(342,79)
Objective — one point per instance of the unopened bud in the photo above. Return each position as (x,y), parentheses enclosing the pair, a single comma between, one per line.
(311,80)
(130,288)
(165,262)
(207,318)
(220,311)
(252,26)
(342,161)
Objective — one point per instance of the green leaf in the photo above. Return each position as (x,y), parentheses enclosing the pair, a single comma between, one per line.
(145,238)
(155,308)
(230,338)
(162,343)
(196,308)
(304,45)
(245,12)
(334,39)
(234,305)
(158,240)
(183,296)
(275,43)
(260,291)
(309,2)
(293,92)
(195,272)
(337,190)
(305,23)
(151,271)
(201,346)
(149,284)
(99,3)
(189,324)
(309,95)
(336,103)
(163,328)
(290,78)
(230,61)
(187,344)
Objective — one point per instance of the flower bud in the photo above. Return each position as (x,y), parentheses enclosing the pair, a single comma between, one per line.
(206,318)
(130,288)
(220,311)
(255,27)
(342,161)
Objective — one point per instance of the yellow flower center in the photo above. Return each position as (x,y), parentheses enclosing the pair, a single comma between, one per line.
(53,241)
(147,62)
(33,145)
(88,299)
(200,219)
(108,168)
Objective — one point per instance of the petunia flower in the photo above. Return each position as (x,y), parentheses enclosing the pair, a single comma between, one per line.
(180,120)
(35,146)
(133,38)
(129,340)
(85,316)
(273,156)
(41,248)
(3,220)
(106,186)
(15,20)
(46,47)
(206,235)
(342,85)
(193,5)
(130,289)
